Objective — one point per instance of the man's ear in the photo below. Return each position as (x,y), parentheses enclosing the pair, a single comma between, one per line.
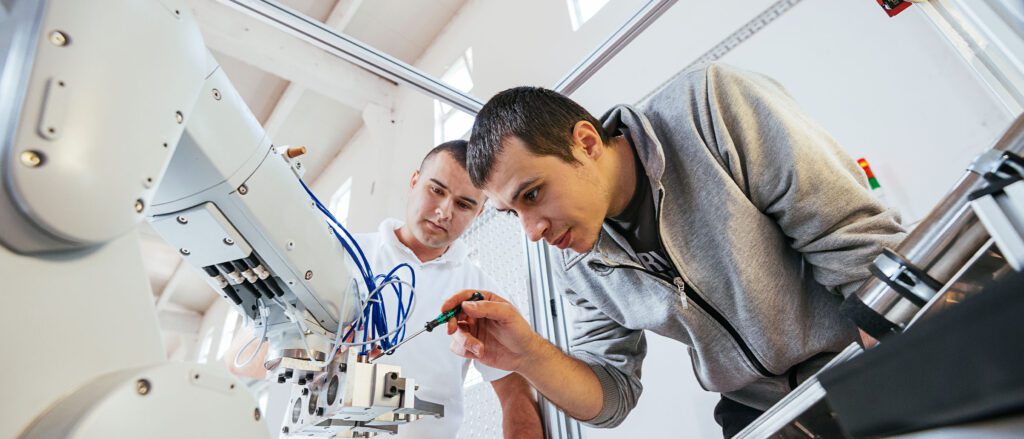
(414,179)
(585,136)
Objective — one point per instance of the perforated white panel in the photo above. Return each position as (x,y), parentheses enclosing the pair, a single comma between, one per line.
(496,243)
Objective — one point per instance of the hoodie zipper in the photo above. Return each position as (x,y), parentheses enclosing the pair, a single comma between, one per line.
(680,285)
(677,282)
(703,304)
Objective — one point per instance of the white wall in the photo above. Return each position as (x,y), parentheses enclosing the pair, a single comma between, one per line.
(891,90)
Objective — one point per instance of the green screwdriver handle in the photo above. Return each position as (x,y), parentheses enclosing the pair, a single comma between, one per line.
(447,315)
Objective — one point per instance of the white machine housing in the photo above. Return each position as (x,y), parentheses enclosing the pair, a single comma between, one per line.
(113,112)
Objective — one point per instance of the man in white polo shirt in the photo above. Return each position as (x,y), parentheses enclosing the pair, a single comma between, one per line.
(442,204)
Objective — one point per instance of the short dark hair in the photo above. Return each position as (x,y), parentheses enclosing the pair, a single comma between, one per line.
(455,148)
(543,119)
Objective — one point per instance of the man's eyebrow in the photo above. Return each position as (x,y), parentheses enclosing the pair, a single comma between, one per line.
(522,187)
(439,183)
(463,198)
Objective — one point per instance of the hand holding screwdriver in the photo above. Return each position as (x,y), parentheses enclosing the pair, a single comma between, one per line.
(441,319)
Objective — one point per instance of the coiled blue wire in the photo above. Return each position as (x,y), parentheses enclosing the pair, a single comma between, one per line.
(374,317)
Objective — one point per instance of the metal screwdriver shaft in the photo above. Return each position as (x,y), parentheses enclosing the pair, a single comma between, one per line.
(437,321)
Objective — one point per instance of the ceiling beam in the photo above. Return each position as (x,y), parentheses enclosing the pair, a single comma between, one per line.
(339,18)
(234,33)
(342,14)
(284,107)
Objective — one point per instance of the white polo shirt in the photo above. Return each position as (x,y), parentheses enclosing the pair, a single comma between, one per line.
(438,372)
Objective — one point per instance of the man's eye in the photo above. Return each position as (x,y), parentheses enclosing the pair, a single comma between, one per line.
(531,195)
(435,190)
(464,206)
(512,213)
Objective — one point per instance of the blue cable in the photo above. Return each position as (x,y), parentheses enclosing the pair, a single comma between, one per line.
(374,316)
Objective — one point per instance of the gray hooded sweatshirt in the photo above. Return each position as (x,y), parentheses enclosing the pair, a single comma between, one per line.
(768,223)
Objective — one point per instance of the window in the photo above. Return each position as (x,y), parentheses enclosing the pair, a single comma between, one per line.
(582,10)
(449,122)
(341,202)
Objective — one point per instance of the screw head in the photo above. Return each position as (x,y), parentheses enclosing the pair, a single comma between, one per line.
(216,94)
(256,414)
(182,220)
(179,117)
(58,38)
(142,386)
(139,206)
(309,274)
(243,189)
(229,241)
(31,159)
(185,251)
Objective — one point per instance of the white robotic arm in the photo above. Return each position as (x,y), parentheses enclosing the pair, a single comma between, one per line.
(114,112)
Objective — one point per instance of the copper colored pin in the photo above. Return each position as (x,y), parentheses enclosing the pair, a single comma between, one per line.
(296,151)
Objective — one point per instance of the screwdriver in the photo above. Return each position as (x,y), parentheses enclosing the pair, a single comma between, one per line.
(437,321)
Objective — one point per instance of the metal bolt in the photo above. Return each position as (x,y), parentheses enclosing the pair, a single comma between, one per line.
(182,220)
(305,391)
(139,206)
(142,386)
(216,94)
(58,38)
(185,251)
(284,430)
(179,117)
(256,413)
(243,189)
(229,241)
(309,274)
(31,159)
(319,411)
(290,245)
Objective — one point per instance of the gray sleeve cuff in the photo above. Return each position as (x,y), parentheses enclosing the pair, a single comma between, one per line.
(610,414)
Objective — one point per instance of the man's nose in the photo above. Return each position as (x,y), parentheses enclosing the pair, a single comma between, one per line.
(444,210)
(535,228)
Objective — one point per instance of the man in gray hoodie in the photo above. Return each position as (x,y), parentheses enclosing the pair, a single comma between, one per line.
(716,213)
